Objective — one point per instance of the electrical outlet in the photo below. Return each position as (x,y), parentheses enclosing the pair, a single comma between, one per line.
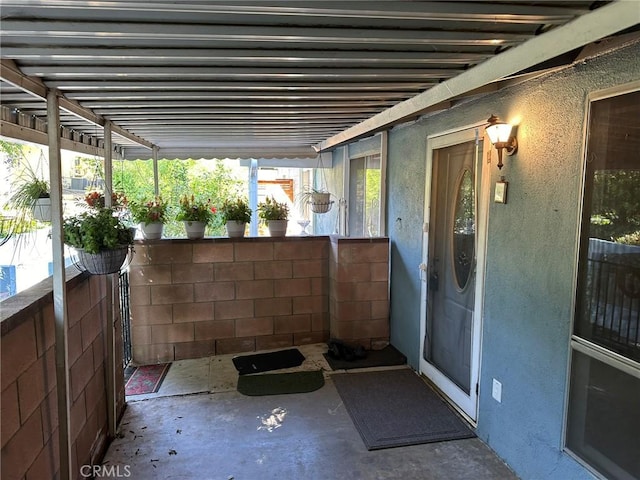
(496,391)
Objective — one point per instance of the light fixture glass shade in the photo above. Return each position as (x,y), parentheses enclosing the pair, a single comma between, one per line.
(499,132)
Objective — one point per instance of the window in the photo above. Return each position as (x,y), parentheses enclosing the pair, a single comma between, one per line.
(603,418)
(365,176)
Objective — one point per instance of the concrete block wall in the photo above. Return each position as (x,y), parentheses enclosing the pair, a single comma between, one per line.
(359,291)
(192,299)
(29,418)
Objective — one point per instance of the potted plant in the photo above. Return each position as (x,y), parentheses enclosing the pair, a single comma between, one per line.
(275,215)
(196,215)
(318,199)
(150,215)
(235,215)
(95,199)
(101,240)
(33,195)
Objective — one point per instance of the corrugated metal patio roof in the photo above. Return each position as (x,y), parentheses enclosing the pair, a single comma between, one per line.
(251,79)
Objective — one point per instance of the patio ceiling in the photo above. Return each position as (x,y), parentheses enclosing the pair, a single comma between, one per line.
(253,79)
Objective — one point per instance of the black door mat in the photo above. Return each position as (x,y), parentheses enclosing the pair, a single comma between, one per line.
(388,356)
(280,383)
(263,362)
(394,408)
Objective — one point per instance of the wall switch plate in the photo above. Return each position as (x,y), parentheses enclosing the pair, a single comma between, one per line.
(496,391)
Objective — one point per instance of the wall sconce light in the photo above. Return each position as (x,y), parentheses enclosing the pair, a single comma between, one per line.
(502,137)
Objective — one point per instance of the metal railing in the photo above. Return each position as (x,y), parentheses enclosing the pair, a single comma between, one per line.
(125,315)
(613,303)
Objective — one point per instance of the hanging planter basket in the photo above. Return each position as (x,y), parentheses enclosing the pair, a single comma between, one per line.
(321,207)
(104,262)
(42,209)
(320,202)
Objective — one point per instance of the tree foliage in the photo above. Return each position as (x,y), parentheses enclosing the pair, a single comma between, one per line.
(615,205)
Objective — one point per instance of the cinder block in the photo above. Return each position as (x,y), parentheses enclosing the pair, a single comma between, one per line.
(35,383)
(253,327)
(214,329)
(273,269)
(23,448)
(152,354)
(10,413)
(191,273)
(214,292)
(234,309)
(253,251)
(169,252)
(151,314)
(270,342)
(310,304)
(193,312)
(45,329)
(18,351)
(81,372)
(166,294)
(292,287)
(233,271)
(150,274)
(174,333)
(292,324)
(310,268)
(254,289)
(308,338)
(198,349)
(235,345)
(266,307)
(212,252)
(140,295)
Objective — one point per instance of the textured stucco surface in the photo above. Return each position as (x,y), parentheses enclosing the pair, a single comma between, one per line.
(530,256)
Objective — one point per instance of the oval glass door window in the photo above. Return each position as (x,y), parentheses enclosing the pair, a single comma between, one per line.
(464,230)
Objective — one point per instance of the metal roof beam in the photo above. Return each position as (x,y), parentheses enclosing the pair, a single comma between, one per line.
(10,73)
(433,11)
(591,27)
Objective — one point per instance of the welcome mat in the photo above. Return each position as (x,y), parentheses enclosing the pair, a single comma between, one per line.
(394,408)
(263,362)
(146,379)
(280,383)
(389,355)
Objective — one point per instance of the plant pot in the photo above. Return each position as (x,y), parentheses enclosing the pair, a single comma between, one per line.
(277,228)
(320,202)
(104,262)
(195,230)
(235,229)
(42,209)
(152,231)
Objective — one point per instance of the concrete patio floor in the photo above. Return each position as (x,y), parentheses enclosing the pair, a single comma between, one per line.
(197,426)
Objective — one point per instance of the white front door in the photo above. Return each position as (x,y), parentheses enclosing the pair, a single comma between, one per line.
(453,267)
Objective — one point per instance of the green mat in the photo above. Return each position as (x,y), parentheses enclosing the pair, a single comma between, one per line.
(280,383)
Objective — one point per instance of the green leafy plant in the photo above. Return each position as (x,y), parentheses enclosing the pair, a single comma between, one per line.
(149,212)
(96,231)
(270,209)
(28,191)
(236,210)
(629,239)
(192,210)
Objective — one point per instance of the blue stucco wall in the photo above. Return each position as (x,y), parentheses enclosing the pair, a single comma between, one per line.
(530,256)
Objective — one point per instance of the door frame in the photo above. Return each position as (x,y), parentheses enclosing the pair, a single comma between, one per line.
(465,404)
